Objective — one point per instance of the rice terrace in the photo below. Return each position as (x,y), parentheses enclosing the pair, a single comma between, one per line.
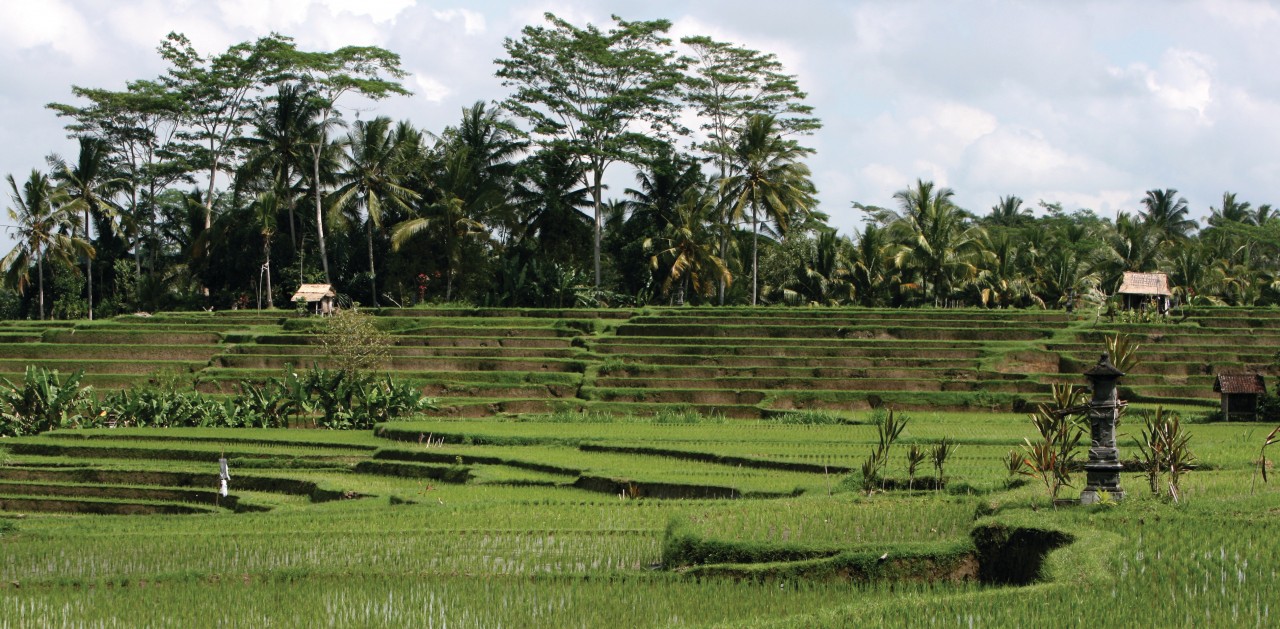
(646,467)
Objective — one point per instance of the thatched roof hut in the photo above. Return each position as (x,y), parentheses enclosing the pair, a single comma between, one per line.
(320,298)
(1137,290)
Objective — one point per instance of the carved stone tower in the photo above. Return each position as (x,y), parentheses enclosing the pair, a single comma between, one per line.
(1103,469)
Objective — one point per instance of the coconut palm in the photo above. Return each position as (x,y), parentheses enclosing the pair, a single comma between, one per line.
(371,178)
(45,225)
(936,243)
(488,143)
(458,202)
(284,134)
(1166,213)
(265,209)
(768,180)
(824,275)
(550,200)
(1009,212)
(91,184)
(684,256)
(872,266)
(1135,246)
(1002,279)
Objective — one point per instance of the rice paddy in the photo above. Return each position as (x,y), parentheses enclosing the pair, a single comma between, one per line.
(566,509)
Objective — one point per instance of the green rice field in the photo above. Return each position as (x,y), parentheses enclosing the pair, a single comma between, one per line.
(657,468)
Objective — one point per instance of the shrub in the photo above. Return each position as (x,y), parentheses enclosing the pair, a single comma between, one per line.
(42,401)
(352,340)
(1164,449)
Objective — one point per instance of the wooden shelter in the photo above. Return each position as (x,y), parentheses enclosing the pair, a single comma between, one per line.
(320,298)
(1241,393)
(1137,290)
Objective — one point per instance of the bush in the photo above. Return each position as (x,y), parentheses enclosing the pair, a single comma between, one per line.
(43,401)
(352,340)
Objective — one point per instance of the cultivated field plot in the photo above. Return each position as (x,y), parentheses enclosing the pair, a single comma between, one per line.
(734,362)
(657,467)
(594,523)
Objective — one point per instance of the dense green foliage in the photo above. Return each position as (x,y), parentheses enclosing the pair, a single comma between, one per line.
(508,207)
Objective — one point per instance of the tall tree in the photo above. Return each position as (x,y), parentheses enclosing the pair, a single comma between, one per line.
(265,209)
(550,199)
(45,226)
(140,125)
(768,180)
(1166,213)
(486,142)
(457,204)
(284,132)
(372,72)
(92,185)
(604,95)
(684,255)
(218,92)
(727,84)
(935,241)
(371,177)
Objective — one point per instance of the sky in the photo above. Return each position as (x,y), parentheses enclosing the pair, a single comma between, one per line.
(1084,103)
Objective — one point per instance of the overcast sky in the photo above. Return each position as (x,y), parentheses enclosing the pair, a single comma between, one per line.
(1084,103)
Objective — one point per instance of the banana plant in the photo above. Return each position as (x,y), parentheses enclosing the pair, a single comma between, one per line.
(42,401)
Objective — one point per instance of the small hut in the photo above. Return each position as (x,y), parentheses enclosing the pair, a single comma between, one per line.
(320,298)
(1241,393)
(1139,289)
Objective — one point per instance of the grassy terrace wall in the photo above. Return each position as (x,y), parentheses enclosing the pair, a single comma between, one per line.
(737,362)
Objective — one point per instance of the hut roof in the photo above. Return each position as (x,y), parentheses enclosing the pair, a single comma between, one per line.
(313,292)
(1144,284)
(1230,383)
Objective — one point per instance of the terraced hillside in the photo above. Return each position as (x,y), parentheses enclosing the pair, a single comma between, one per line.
(738,362)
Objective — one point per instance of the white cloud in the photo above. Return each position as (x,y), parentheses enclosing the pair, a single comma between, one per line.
(951,127)
(378,10)
(51,23)
(431,88)
(1018,158)
(1183,81)
(472,22)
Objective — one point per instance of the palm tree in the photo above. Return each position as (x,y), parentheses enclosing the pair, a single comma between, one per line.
(824,275)
(371,177)
(767,178)
(684,256)
(1232,211)
(285,133)
(452,211)
(1166,213)
(91,184)
(872,264)
(550,199)
(660,187)
(265,209)
(935,241)
(45,226)
(1009,212)
(1003,280)
(490,144)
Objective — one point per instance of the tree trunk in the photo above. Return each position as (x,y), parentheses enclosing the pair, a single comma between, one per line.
(755,250)
(266,248)
(88,263)
(597,177)
(728,227)
(373,285)
(324,258)
(40,279)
